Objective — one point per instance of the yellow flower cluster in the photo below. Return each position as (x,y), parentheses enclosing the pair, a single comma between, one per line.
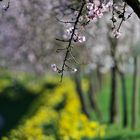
(4,84)
(58,118)
(73,124)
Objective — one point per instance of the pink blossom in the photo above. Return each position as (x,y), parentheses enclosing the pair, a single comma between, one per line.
(116,33)
(99,13)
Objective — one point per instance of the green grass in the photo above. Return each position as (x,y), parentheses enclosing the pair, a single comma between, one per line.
(116,131)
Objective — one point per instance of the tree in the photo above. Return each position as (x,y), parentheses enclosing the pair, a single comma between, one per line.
(135,94)
(135,91)
(79,90)
(92,95)
(114,98)
(135,4)
(27,39)
(36,49)
(91,11)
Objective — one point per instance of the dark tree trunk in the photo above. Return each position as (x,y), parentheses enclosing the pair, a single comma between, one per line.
(135,95)
(92,95)
(124,99)
(113,101)
(99,78)
(81,94)
(113,98)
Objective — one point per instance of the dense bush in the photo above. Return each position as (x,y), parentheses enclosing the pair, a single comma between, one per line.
(58,117)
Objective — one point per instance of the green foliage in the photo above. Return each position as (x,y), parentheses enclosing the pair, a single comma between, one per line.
(53,112)
(42,109)
(15,100)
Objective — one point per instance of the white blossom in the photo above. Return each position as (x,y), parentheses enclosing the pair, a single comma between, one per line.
(74,70)
(90,6)
(54,67)
(81,39)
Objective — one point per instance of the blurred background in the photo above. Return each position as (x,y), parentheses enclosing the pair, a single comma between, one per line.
(98,101)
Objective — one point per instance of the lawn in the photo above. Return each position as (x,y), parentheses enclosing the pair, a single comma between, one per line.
(25,103)
(117,132)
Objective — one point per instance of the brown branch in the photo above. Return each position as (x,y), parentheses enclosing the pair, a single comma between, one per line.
(122,16)
(6,7)
(62,40)
(68,49)
(64,21)
(73,58)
